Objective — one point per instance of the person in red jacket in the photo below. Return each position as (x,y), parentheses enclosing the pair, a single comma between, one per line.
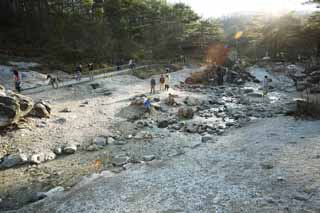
(17,80)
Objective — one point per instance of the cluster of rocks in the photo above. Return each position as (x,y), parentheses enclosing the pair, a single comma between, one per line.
(18,159)
(15,106)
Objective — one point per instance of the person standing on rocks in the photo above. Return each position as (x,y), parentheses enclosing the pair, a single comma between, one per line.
(167,82)
(153,86)
(17,80)
(265,88)
(78,72)
(90,68)
(162,81)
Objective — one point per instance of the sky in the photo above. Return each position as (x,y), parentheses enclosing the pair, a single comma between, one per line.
(216,8)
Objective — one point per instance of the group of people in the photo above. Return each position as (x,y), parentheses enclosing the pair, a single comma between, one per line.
(164,82)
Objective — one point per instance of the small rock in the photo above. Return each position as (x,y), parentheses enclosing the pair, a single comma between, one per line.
(37,158)
(100,141)
(86,102)
(92,148)
(149,157)
(110,140)
(14,160)
(255,95)
(70,149)
(186,113)
(120,142)
(206,138)
(163,124)
(57,150)
(120,160)
(66,110)
(267,165)
(60,121)
(301,197)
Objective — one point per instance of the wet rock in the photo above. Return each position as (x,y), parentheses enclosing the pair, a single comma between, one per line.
(70,149)
(120,160)
(100,141)
(149,157)
(14,160)
(41,110)
(163,124)
(60,121)
(186,113)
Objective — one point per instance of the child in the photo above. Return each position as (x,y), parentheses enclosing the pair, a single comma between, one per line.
(17,81)
(147,104)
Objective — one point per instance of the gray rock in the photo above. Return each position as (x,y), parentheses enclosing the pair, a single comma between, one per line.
(267,165)
(149,157)
(70,149)
(92,148)
(52,192)
(120,142)
(14,160)
(66,110)
(186,113)
(190,101)
(60,121)
(100,141)
(111,140)
(163,123)
(120,160)
(57,150)
(206,138)
(255,95)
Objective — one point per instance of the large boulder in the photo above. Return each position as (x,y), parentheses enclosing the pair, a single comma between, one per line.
(12,107)
(9,111)
(25,103)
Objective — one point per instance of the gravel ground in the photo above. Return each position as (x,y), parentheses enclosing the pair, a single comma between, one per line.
(268,166)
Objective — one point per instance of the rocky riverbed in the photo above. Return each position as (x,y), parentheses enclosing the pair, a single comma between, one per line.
(102,126)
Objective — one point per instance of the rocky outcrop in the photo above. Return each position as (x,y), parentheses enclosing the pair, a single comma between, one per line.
(13,107)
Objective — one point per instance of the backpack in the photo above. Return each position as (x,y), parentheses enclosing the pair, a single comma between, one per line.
(162,80)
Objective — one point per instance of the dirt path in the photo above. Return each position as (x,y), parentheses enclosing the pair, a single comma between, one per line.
(268,166)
